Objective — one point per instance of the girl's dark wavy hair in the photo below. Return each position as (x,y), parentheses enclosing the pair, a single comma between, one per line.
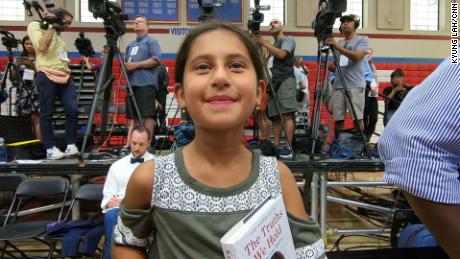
(244,37)
(24,53)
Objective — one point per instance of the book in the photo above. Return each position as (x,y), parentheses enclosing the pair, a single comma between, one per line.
(263,233)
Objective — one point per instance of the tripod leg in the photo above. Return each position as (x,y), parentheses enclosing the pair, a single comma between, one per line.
(130,89)
(104,76)
(82,72)
(281,117)
(169,128)
(6,75)
(319,93)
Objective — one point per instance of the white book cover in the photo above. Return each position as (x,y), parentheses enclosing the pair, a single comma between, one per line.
(263,233)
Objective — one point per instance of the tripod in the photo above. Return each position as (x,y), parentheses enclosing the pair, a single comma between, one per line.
(320,89)
(10,67)
(104,83)
(82,76)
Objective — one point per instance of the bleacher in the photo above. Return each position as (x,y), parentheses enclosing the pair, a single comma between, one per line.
(414,73)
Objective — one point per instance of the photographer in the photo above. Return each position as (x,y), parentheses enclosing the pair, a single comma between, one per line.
(53,78)
(283,80)
(350,51)
(394,94)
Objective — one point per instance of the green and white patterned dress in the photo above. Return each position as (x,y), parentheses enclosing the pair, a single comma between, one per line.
(187,218)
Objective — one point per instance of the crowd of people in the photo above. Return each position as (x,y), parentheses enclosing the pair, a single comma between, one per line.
(286,103)
(221,81)
(43,74)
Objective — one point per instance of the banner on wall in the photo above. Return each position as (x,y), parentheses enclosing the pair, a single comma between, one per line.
(230,11)
(179,31)
(154,10)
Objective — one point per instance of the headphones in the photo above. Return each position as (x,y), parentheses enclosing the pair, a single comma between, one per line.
(355,19)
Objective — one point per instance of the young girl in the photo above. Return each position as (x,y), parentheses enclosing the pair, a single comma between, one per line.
(27,102)
(188,200)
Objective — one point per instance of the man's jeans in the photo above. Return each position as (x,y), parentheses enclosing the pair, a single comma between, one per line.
(47,91)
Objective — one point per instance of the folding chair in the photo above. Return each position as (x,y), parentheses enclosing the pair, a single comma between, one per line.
(30,190)
(387,114)
(86,193)
(8,184)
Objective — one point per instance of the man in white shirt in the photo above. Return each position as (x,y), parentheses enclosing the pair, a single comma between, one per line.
(118,177)
(301,77)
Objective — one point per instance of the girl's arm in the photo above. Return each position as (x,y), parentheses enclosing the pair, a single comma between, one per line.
(119,251)
(139,189)
(138,196)
(291,194)
(305,232)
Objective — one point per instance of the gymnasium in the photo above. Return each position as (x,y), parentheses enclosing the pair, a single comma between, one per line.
(62,140)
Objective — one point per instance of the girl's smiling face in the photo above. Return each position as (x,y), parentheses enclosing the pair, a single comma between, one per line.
(220,88)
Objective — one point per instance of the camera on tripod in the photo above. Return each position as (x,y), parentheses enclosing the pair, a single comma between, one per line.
(114,20)
(256,17)
(207,10)
(328,11)
(84,45)
(8,40)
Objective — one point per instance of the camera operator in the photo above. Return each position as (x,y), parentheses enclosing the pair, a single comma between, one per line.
(142,59)
(53,78)
(283,80)
(350,52)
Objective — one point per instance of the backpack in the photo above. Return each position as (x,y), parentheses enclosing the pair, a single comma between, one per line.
(163,78)
(347,146)
(416,235)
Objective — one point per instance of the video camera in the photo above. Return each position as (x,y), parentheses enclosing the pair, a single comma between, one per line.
(8,40)
(57,19)
(84,45)
(44,21)
(256,17)
(207,10)
(114,20)
(328,11)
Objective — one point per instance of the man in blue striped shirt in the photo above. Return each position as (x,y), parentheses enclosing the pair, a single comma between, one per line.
(421,150)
